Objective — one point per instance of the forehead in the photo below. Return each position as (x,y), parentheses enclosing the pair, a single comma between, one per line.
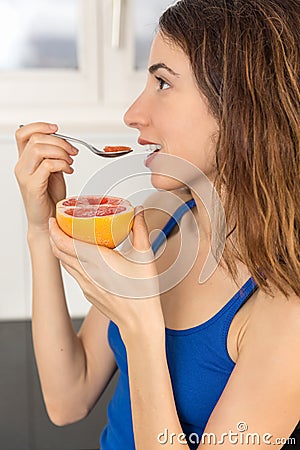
(162,50)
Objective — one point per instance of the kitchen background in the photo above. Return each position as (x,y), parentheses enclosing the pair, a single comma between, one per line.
(80,64)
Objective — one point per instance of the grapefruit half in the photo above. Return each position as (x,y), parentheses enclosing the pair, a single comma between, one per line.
(101,220)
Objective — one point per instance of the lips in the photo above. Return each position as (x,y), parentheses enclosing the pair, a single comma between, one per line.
(150,146)
(144,142)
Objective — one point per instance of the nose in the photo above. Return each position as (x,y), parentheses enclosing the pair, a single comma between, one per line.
(137,115)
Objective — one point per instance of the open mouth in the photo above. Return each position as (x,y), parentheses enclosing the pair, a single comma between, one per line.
(152,148)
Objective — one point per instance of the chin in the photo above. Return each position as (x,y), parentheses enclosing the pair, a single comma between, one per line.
(165,183)
(170,172)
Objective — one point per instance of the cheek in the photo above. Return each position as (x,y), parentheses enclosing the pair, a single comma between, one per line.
(200,148)
(200,153)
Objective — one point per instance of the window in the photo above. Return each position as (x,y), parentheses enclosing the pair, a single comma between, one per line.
(48,52)
(127,62)
(78,61)
(39,34)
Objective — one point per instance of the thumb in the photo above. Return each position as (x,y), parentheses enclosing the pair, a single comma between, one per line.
(140,230)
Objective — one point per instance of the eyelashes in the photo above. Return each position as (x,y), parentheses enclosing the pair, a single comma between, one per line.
(162,84)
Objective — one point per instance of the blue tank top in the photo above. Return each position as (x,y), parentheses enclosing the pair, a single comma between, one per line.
(198,362)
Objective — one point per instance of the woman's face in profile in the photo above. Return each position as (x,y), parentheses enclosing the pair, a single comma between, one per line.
(172,112)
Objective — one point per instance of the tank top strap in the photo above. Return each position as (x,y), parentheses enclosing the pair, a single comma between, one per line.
(236,302)
(164,233)
(243,295)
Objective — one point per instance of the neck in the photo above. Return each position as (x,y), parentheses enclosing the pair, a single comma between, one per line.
(211,221)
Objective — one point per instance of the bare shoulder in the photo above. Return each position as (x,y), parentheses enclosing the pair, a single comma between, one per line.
(274,323)
(278,308)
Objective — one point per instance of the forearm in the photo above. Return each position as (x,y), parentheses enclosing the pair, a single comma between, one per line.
(59,353)
(152,399)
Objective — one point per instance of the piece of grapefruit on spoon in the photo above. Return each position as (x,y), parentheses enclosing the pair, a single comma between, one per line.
(102,220)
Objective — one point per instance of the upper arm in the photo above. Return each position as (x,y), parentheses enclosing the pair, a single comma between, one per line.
(263,390)
(100,360)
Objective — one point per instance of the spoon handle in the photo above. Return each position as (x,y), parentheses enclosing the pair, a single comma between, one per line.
(69,138)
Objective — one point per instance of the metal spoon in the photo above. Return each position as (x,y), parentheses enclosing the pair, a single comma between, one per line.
(92,148)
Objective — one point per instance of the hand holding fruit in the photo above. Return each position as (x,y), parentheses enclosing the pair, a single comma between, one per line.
(39,171)
(123,287)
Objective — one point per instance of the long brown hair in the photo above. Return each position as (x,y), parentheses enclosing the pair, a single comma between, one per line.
(245,58)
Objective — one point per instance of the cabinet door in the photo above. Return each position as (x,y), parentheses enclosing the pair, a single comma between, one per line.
(128,29)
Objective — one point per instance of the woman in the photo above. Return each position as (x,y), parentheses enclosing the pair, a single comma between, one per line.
(206,364)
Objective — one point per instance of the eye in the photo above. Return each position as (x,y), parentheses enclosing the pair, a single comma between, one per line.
(162,84)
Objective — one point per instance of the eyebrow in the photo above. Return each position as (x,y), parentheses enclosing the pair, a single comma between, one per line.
(152,69)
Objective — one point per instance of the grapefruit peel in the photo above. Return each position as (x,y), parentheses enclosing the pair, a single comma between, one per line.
(100,220)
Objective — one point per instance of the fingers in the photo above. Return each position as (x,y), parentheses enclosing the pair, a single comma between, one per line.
(33,135)
(41,146)
(43,152)
(66,259)
(61,243)
(42,155)
(140,231)
(63,248)
(48,166)
(43,139)
(24,133)
(73,272)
